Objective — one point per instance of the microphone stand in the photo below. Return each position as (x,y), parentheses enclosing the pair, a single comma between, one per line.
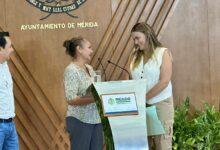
(120,68)
(100,62)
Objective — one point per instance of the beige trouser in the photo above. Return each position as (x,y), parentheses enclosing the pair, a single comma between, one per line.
(165,112)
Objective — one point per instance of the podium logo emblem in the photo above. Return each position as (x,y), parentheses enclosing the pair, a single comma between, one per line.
(111,101)
(57,6)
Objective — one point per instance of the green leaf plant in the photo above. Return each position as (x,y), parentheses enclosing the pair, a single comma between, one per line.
(201,131)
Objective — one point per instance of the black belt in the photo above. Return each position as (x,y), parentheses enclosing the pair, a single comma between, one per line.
(6,120)
(148,105)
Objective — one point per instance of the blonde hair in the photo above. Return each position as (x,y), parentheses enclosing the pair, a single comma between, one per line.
(151,38)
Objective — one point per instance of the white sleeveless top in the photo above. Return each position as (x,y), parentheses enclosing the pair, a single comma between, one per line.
(151,72)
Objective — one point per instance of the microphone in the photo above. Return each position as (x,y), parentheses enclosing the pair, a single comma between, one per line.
(100,62)
(120,68)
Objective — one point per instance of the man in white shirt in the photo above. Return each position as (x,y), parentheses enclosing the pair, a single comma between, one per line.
(8,134)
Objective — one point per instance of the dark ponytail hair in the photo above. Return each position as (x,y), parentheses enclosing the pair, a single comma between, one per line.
(2,38)
(72,44)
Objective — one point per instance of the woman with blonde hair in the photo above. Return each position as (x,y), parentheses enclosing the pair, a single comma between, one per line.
(153,62)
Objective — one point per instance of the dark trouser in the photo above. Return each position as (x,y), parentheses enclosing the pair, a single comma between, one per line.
(84,136)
